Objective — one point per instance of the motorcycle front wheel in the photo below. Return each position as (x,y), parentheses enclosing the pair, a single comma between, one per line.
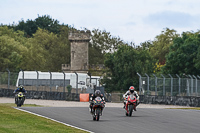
(130,110)
(97,114)
(19,101)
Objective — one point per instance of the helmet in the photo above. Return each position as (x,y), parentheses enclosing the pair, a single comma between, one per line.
(131,89)
(21,87)
(97,93)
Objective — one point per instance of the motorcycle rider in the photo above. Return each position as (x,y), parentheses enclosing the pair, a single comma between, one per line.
(19,89)
(97,93)
(131,91)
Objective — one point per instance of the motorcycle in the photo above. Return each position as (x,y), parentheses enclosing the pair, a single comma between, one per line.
(19,100)
(130,104)
(98,106)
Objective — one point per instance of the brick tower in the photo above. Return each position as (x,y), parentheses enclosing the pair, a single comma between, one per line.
(79,52)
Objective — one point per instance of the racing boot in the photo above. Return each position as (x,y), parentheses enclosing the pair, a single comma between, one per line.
(15,100)
(90,109)
(134,108)
(124,105)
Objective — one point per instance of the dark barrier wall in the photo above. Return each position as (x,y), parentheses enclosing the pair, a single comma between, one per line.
(168,100)
(42,95)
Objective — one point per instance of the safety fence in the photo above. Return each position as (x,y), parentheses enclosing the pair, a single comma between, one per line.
(168,85)
(9,80)
(50,88)
(154,89)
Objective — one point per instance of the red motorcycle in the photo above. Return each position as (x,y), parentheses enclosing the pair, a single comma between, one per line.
(130,104)
(97,108)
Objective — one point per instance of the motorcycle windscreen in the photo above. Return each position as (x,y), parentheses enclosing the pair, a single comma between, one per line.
(132,97)
(98,99)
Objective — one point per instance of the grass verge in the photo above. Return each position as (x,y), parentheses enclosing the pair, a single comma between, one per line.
(15,121)
(193,108)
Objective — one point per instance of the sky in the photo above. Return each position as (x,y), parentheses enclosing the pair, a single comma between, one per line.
(132,20)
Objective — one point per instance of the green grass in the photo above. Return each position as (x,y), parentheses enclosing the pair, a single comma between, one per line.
(15,121)
(194,108)
(25,105)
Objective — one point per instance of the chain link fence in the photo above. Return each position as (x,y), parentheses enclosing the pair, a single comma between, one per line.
(152,89)
(54,89)
(169,85)
(48,85)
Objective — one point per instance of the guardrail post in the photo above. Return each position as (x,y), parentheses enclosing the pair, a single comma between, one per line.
(179,85)
(163,85)
(155,84)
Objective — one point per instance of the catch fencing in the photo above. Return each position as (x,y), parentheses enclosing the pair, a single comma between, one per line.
(56,86)
(169,85)
(37,89)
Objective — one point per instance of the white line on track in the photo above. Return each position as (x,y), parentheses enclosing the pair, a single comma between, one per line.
(55,120)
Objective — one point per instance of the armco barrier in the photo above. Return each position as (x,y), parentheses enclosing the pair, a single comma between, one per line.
(42,95)
(168,100)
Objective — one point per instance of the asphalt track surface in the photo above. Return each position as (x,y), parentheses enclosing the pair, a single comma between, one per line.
(144,120)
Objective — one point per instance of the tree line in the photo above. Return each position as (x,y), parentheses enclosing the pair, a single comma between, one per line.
(42,44)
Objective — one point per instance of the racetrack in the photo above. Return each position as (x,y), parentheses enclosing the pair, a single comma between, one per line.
(144,120)
(148,118)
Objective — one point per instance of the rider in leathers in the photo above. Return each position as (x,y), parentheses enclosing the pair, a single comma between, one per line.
(131,91)
(97,93)
(19,89)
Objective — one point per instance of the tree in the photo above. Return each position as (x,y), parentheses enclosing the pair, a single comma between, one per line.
(184,55)
(46,52)
(12,47)
(44,22)
(160,47)
(47,23)
(123,66)
(102,42)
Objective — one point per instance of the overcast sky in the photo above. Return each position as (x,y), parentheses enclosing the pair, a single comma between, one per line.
(132,20)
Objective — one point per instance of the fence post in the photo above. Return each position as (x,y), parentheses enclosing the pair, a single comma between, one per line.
(64,87)
(50,79)
(191,84)
(163,85)
(89,74)
(147,83)
(196,85)
(76,85)
(37,79)
(22,76)
(188,86)
(155,84)
(171,85)
(140,79)
(199,78)
(64,82)
(8,78)
(179,85)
